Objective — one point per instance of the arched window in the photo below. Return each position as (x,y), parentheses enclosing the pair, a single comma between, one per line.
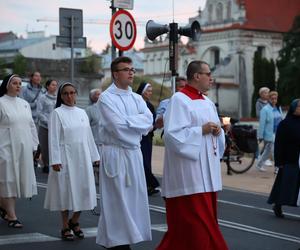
(214,56)
(229,10)
(210,10)
(219,12)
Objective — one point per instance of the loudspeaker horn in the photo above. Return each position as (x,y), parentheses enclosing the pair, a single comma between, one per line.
(192,30)
(154,30)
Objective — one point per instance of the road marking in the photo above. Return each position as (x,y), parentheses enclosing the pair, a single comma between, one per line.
(259,231)
(224,223)
(255,207)
(233,225)
(25,238)
(159,209)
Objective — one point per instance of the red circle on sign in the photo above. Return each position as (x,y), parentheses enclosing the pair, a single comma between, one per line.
(114,41)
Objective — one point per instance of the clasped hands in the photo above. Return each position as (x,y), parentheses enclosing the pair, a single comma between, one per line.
(211,128)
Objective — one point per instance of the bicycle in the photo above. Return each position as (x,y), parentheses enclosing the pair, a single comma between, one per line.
(240,150)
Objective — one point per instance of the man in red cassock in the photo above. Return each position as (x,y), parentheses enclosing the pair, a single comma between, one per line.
(194,144)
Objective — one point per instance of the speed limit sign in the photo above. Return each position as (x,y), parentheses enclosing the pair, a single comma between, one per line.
(122,30)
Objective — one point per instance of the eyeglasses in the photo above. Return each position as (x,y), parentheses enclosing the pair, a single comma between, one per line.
(69,93)
(205,73)
(133,70)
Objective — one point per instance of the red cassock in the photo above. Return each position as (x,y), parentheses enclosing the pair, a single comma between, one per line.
(192,223)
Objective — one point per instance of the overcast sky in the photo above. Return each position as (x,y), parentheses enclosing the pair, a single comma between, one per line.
(20,16)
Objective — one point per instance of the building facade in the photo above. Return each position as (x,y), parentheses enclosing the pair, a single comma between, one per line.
(232,31)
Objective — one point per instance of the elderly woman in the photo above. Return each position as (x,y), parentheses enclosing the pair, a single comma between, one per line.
(145,90)
(285,190)
(270,117)
(18,141)
(45,106)
(92,112)
(72,150)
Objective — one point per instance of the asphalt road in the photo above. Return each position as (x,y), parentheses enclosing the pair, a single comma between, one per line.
(246,220)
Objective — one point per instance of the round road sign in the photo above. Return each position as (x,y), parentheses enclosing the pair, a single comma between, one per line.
(122,30)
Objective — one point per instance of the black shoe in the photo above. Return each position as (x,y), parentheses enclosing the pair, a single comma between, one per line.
(46,169)
(152,191)
(278,211)
(122,247)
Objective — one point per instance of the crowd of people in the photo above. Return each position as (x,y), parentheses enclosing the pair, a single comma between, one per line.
(113,138)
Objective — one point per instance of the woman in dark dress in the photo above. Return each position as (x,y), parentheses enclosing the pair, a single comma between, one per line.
(145,90)
(285,190)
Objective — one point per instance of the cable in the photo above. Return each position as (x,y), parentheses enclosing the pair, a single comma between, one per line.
(163,80)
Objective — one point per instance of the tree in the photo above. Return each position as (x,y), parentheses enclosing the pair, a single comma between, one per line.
(288,65)
(107,49)
(91,64)
(263,76)
(19,65)
(2,68)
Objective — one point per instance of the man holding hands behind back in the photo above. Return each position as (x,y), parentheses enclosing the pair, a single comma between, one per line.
(194,144)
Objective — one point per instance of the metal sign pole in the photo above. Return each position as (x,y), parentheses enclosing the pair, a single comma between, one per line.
(113,47)
(72,49)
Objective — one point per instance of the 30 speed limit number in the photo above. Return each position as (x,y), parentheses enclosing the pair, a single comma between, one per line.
(123,30)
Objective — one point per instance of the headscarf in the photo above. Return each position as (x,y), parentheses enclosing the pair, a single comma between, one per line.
(59,101)
(142,88)
(292,108)
(5,83)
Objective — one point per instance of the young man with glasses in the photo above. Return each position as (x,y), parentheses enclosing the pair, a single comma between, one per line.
(194,144)
(124,118)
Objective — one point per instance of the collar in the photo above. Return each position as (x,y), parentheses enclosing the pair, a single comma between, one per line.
(115,90)
(192,92)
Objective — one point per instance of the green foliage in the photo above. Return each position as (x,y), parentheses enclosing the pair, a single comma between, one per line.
(289,65)
(2,68)
(263,76)
(19,65)
(157,89)
(157,139)
(91,64)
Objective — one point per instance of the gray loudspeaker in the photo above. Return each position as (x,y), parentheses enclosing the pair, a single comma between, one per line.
(192,30)
(154,30)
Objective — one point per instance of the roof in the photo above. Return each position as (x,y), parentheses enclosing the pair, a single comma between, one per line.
(18,44)
(271,15)
(264,15)
(137,59)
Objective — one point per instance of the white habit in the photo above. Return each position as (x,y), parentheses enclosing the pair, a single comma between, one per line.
(18,139)
(191,165)
(72,145)
(125,217)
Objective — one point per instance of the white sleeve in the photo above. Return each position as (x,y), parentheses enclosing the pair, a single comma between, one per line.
(54,131)
(125,127)
(182,138)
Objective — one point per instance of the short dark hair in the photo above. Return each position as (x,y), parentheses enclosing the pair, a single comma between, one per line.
(47,84)
(179,78)
(194,67)
(121,59)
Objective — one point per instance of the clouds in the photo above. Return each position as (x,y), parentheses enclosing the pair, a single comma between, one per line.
(20,16)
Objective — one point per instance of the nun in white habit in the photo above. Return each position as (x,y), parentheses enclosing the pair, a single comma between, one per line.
(72,152)
(18,141)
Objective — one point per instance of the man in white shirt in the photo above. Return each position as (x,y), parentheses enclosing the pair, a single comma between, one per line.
(194,144)
(124,118)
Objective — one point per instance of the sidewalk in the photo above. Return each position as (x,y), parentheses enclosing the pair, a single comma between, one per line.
(252,180)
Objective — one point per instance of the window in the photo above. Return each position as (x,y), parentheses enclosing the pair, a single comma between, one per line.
(229,10)
(219,12)
(210,10)
(261,50)
(214,56)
